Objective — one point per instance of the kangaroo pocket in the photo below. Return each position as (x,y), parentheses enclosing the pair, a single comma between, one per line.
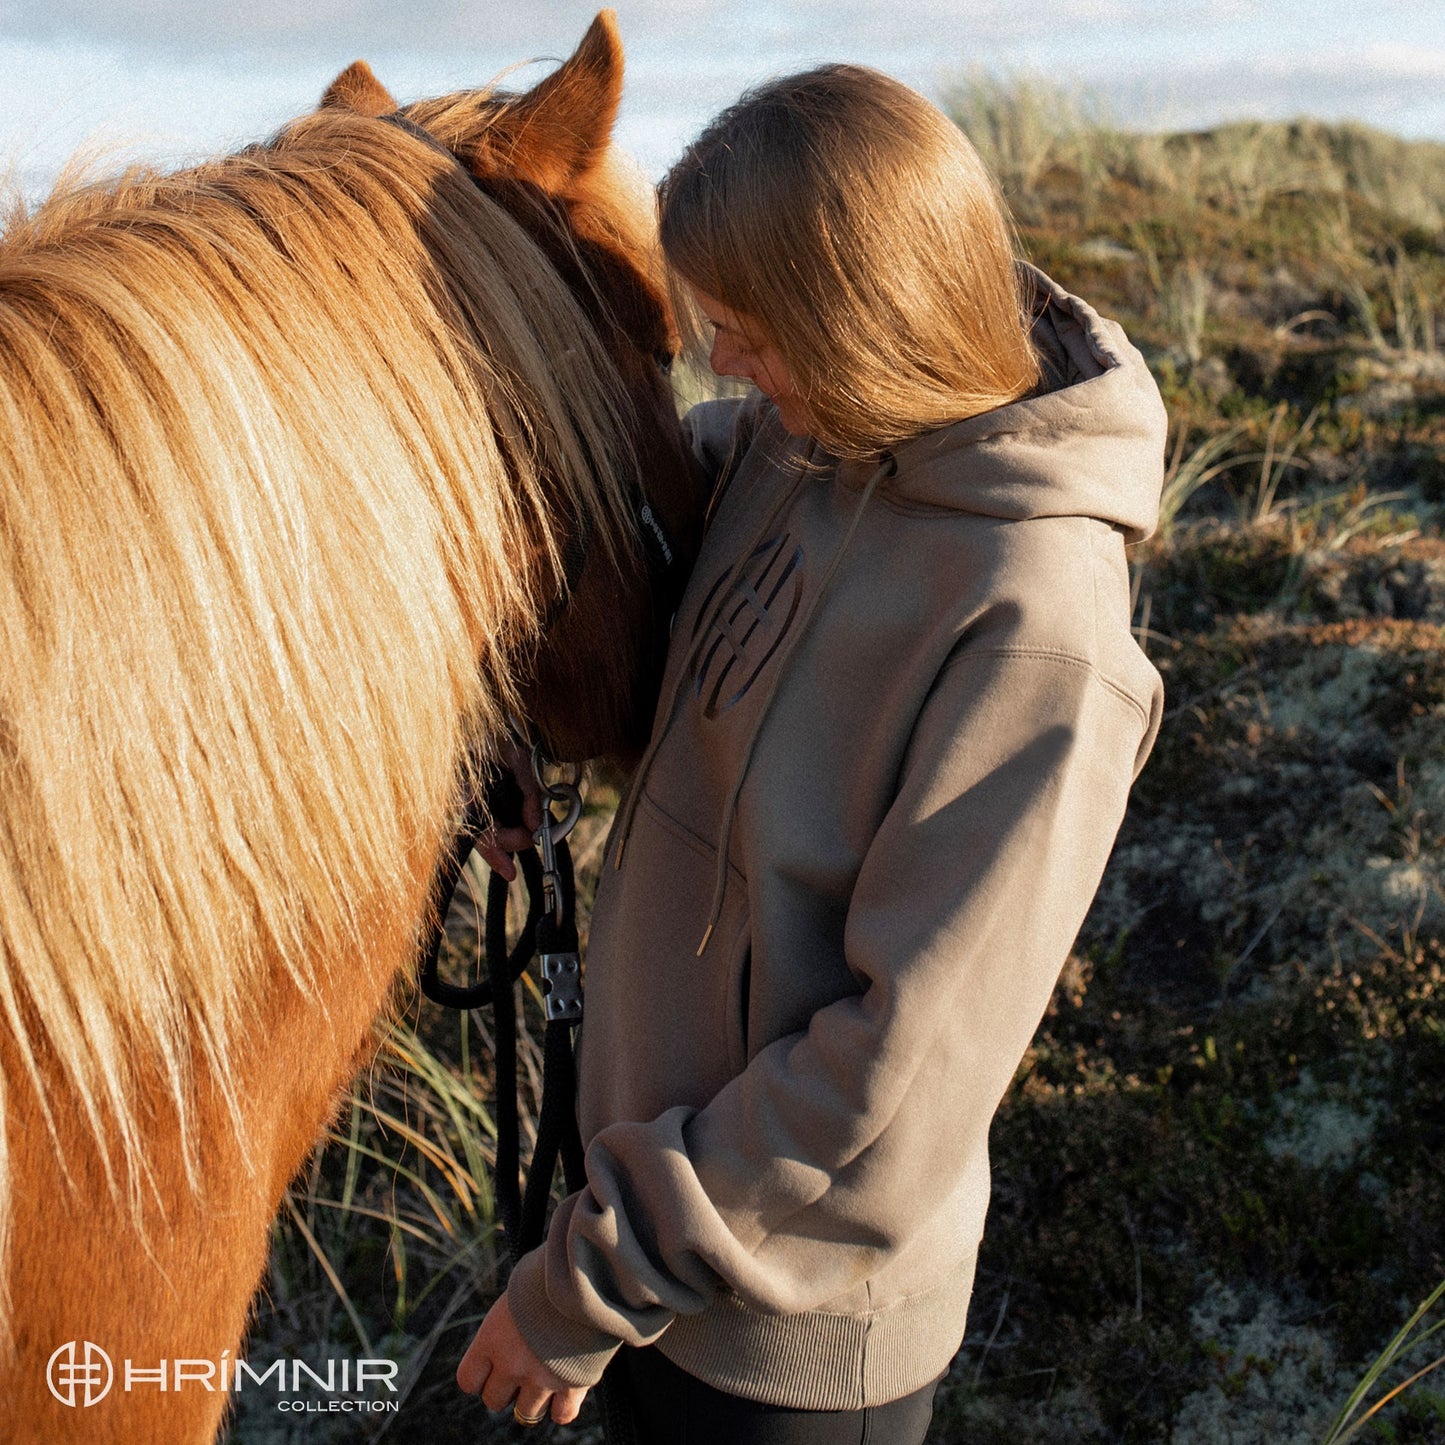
(663,1025)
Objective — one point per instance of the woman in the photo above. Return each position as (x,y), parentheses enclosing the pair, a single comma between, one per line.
(901,716)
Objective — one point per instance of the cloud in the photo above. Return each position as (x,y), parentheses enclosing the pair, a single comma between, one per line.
(196,77)
(439,27)
(318,27)
(1393,87)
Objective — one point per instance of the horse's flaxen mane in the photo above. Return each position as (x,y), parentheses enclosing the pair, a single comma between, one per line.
(258,479)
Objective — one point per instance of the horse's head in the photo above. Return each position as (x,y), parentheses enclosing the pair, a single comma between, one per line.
(546,157)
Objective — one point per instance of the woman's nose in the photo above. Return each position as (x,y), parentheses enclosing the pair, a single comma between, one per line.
(727,359)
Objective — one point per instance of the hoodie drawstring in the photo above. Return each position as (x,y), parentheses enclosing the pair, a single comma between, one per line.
(700,637)
(886,469)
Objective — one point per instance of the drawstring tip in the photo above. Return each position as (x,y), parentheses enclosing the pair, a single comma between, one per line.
(705,938)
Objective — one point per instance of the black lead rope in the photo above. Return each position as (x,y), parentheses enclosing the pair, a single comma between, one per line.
(524,1216)
(551,933)
(474,824)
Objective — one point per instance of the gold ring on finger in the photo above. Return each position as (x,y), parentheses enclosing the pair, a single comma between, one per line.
(528,1420)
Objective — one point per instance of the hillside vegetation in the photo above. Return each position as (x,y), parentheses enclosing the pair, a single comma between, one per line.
(1219,1177)
(1219,1174)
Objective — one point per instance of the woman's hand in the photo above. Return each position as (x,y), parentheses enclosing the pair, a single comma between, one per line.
(499,1365)
(497,845)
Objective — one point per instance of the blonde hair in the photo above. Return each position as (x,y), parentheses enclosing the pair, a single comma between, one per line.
(281,442)
(856,225)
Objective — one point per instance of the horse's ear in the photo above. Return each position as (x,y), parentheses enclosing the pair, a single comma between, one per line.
(563,124)
(356,88)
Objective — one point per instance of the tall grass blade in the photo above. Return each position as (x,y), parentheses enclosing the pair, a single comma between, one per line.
(1401,1344)
(329,1270)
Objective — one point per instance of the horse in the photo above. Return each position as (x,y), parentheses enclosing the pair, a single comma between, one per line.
(322,462)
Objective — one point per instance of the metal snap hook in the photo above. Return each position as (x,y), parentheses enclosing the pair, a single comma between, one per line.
(567,792)
(553,829)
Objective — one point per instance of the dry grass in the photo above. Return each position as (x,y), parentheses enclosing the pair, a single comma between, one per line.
(1030,129)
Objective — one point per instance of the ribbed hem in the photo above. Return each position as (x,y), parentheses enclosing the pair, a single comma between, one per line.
(819,1361)
(573,1351)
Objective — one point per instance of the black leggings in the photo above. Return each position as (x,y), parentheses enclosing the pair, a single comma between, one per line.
(674,1408)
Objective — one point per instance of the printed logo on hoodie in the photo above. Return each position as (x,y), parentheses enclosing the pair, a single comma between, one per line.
(753,618)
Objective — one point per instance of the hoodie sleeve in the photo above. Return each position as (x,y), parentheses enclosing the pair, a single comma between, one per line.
(837,1143)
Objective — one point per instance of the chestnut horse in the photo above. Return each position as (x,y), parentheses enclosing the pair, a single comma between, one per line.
(319,460)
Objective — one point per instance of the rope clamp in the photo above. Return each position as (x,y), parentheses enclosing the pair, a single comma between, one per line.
(562,982)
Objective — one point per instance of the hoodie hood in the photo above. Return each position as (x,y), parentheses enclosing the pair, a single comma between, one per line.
(1087,441)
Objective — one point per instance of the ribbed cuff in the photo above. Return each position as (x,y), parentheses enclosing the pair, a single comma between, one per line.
(576,1352)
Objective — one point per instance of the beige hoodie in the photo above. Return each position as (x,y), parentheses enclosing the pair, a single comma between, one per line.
(901,717)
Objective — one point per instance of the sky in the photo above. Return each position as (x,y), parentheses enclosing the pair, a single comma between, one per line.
(173,80)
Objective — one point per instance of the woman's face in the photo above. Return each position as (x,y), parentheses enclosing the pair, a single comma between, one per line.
(739,348)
